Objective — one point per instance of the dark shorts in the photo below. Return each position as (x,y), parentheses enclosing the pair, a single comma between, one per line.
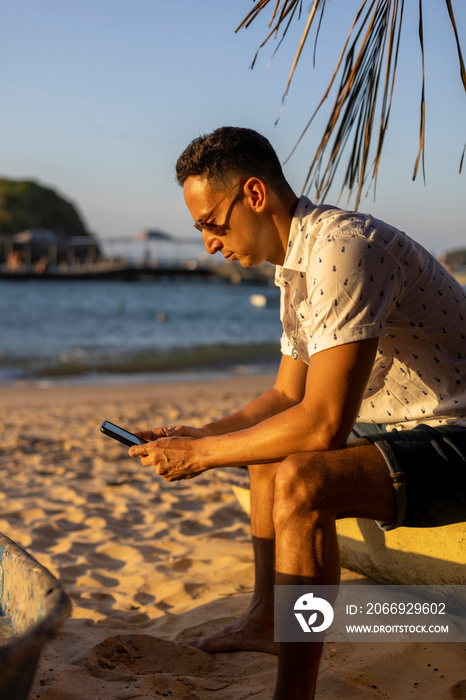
(428,469)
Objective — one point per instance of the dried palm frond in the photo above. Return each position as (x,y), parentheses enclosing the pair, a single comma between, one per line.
(368,65)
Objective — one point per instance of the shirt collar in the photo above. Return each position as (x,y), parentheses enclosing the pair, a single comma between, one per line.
(300,237)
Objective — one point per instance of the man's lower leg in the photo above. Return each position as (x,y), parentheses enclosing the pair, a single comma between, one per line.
(254,631)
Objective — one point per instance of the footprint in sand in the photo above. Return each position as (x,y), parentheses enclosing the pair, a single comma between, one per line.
(143,654)
(156,666)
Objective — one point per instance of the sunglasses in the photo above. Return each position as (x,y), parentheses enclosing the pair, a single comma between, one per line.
(202,224)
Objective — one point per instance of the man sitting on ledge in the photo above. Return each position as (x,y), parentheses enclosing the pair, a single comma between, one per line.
(367,416)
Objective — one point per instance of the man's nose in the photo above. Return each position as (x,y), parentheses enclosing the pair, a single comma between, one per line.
(212,243)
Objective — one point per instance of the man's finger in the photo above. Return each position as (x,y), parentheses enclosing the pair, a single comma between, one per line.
(137,451)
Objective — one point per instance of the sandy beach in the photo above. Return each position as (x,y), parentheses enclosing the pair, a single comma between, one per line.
(149,565)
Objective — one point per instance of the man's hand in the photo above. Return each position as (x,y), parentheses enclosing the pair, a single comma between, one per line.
(174,458)
(172,431)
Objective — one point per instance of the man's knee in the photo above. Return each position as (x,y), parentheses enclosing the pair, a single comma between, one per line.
(301,486)
(261,474)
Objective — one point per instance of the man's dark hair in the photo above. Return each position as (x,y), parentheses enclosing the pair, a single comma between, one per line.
(232,153)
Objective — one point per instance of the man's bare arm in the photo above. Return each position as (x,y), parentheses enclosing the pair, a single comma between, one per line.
(287,391)
(322,420)
(335,385)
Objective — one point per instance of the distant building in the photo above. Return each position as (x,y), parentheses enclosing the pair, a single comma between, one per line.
(152,235)
(27,248)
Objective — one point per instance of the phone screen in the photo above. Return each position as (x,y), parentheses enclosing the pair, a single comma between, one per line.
(120,434)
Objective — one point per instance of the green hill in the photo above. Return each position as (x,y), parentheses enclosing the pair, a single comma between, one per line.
(26,204)
(456,258)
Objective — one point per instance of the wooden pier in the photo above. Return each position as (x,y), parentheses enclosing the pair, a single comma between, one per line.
(133,271)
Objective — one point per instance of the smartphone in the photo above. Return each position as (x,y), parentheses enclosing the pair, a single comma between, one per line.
(117,433)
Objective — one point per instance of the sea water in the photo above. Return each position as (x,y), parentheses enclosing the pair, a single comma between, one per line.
(113,329)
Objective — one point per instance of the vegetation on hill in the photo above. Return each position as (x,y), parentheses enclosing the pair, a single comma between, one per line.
(456,258)
(26,204)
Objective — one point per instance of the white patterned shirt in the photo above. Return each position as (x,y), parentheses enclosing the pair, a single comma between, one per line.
(348,276)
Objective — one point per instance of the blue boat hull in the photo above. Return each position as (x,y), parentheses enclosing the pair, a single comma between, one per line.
(32,607)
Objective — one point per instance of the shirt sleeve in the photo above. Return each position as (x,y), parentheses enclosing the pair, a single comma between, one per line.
(288,319)
(354,284)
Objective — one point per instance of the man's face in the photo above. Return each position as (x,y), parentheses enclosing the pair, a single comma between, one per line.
(234,229)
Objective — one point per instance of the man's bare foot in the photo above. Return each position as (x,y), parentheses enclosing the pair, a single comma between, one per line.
(243,635)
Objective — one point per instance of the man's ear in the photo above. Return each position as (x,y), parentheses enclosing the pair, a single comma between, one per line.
(256,190)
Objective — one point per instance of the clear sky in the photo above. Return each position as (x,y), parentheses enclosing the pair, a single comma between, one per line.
(99,97)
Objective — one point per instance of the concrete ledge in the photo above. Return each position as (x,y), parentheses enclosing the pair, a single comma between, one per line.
(427,556)
(407,556)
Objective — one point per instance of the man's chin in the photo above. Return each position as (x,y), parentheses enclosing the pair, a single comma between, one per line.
(246,262)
